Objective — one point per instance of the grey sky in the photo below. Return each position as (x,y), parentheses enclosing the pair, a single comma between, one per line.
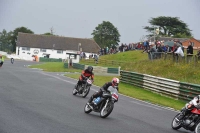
(78,18)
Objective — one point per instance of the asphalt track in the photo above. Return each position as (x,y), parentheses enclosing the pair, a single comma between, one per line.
(33,101)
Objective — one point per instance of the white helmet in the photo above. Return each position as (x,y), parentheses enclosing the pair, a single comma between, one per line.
(115,82)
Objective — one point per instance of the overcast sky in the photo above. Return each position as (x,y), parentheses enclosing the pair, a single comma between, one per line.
(78,18)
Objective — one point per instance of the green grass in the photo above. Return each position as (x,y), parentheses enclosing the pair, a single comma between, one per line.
(138,93)
(54,67)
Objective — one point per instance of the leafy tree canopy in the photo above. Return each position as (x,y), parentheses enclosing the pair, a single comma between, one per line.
(5,41)
(168,27)
(15,34)
(106,35)
(48,33)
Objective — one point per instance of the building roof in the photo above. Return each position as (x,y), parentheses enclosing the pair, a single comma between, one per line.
(56,42)
(169,39)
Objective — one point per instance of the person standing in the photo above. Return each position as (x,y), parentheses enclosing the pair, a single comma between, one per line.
(1,61)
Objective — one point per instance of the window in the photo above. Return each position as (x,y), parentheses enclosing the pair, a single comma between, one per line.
(72,57)
(25,48)
(43,50)
(59,51)
(192,43)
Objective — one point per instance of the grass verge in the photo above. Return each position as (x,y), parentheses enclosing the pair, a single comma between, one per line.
(54,67)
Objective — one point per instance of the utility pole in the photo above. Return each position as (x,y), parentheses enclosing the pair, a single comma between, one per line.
(51,29)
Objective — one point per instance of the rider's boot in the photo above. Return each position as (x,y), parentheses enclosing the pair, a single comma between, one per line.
(184,111)
(90,101)
(76,87)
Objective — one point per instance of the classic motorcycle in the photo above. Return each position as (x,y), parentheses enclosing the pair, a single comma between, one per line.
(104,104)
(84,88)
(189,122)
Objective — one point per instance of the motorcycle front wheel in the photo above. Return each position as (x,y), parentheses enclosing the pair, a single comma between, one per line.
(86,91)
(107,110)
(175,123)
(197,128)
(87,109)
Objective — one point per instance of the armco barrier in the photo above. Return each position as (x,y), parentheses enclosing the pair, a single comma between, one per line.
(132,78)
(161,85)
(188,91)
(172,88)
(98,69)
(66,65)
(113,70)
(78,66)
(49,60)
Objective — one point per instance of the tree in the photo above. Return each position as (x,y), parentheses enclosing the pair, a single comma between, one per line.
(15,34)
(168,27)
(106,34)
(5,41)
(47,33)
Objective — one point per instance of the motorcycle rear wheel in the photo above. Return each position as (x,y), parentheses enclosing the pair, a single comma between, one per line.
(85,92)
(105,112)
(175,125)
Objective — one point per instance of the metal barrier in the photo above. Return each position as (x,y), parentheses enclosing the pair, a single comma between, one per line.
(188,91)
(113,70)
(172,88)
(132,78)
(66,65)
(49,60)
(78,66)
(161,85)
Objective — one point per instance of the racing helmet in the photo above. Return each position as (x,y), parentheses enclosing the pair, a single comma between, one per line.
(115,82)
(90,68)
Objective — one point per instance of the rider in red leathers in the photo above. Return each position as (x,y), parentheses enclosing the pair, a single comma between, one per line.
(85,74)
(195,102)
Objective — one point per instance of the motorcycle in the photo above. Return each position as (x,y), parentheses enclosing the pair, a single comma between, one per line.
(189,122)
(84,88)
(104,104)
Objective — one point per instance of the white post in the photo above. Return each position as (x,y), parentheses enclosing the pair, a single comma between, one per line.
(154,34)
(119,70)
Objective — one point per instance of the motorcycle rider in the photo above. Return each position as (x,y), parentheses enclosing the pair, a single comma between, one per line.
(1,60)
(189,106)
(85,74)
(114,83)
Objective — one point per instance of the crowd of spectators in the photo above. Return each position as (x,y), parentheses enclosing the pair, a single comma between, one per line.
(175,47)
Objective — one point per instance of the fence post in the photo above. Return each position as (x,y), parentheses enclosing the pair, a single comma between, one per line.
(119,70)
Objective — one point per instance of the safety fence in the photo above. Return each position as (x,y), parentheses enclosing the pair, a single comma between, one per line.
(104,62)
(172,88)
(98,69)
(188,58)
(42,59)
(66,65)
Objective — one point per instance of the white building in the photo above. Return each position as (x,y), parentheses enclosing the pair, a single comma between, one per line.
(51,46)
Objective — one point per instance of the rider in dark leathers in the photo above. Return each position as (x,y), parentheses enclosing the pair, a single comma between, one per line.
(114,83)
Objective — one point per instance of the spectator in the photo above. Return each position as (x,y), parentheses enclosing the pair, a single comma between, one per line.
(190,48)
(179,50)
(198,53)
(96,57)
